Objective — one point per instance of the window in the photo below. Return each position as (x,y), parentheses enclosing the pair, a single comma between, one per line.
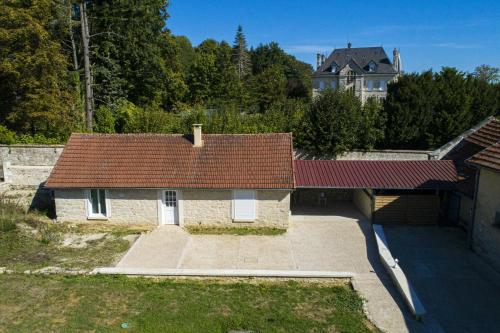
(334,85)
(334,68)
(244,205)
(370,85)
(376,85)
(97,204)
(321,85)
(351,76)
(383,85)
(371,67)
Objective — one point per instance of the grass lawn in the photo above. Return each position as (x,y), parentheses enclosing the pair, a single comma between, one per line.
(262,231)
(104,303)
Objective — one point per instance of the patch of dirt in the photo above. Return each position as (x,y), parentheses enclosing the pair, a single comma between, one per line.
(76,241)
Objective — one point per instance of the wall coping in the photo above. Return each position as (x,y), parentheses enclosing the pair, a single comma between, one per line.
(30,146)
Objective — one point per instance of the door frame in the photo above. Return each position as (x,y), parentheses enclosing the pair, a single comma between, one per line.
(161,207)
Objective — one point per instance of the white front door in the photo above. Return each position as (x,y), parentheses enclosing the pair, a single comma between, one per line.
(170,207)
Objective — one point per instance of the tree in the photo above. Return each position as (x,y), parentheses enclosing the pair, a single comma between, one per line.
(36,94)
(452,114)
(133,50)
(297,73)
(269,87)
(372,125)
(212,78)
(409,109)
(487,73)
(241,58)
(331,125)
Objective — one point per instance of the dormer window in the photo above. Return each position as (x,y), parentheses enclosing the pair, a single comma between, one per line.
(333,69)
(371,67)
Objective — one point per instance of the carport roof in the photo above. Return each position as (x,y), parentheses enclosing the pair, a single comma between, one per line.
(435,174)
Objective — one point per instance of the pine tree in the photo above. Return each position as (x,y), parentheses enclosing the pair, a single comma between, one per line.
(241,58)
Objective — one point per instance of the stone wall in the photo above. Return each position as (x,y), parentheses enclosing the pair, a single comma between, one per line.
(124,206)
(196,207)
(214,208)
(486,233)
(363,201)
(387,155)
(28,165)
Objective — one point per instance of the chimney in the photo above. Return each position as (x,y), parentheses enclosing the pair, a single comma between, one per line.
(318,60)
(349,45)
(197,142)
(396,60)
(322,59)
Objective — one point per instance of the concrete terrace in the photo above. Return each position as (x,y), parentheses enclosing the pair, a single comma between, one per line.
(342,242)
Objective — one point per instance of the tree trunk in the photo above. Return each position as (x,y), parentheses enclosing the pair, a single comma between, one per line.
(73,45)
(89,97)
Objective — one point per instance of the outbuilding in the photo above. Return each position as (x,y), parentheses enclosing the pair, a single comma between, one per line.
(402,192)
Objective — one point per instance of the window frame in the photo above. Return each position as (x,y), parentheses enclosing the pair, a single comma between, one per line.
(233,208)
(89,205)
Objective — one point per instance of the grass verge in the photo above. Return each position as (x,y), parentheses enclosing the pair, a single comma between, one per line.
(104,303)
(235,231)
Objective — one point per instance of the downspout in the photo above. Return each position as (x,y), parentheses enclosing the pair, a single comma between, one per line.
(470,229)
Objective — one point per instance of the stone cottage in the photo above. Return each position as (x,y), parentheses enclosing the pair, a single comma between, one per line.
(199,179)
(485,233)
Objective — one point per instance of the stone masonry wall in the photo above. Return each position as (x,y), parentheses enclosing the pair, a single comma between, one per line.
(70,205)
(213,208)
(124,206)
(486,235)
(387,155)
(199,207)
(28,165)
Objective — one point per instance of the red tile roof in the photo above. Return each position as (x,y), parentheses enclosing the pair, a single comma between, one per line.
(488,158)
(375,174)
(487,135)
(258,161)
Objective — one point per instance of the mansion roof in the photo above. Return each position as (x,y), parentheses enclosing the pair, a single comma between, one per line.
(359,60)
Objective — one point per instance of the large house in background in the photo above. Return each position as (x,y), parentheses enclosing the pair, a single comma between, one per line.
(364,70)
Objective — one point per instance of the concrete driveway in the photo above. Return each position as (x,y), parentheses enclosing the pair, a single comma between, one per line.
(457,288)
(340,240)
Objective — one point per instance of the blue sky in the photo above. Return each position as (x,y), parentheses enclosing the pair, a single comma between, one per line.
(429,34)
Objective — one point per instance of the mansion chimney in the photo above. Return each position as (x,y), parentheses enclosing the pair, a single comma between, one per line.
(318,60)
(396,60)
(197,139)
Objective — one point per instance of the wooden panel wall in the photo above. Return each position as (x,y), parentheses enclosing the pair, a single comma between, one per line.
(406,209)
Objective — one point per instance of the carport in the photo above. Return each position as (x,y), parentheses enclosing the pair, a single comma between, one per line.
(400,192)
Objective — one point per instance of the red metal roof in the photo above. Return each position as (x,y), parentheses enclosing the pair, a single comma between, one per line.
(258,161)
(488,158)
(375,174)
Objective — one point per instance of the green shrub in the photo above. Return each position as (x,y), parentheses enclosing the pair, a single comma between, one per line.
(7,136)
(10,214)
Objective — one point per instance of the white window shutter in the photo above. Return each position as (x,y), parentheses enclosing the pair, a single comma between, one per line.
(244,205)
